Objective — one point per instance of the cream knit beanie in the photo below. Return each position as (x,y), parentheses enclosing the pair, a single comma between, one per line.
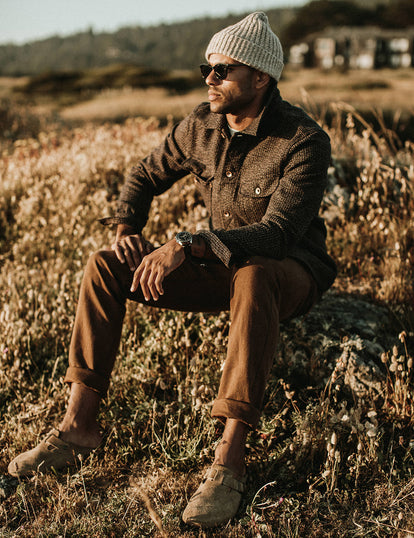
(251,42)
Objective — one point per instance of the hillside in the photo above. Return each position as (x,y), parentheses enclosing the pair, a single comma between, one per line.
(181,45)
(178,46)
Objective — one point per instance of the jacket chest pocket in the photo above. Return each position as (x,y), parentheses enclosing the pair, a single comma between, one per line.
(204,187)
(253,199)
(202,178)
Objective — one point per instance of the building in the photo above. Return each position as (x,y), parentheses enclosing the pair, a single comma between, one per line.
(355,48)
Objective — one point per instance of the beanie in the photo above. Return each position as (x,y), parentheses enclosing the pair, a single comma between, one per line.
(251,42)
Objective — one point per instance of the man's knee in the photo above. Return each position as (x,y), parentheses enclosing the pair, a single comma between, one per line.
(255,276)
(104,266)
(101,260)
(286,281)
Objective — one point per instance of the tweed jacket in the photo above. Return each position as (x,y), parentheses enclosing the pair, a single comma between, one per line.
(262,186)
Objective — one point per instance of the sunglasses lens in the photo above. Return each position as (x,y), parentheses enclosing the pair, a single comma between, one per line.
(205,70)
(220,70)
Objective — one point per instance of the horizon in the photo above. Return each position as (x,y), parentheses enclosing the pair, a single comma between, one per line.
(25,21)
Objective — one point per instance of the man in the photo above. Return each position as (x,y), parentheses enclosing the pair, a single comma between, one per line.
(260,165)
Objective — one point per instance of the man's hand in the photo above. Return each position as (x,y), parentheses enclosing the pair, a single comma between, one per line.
(155,267)
(130,247)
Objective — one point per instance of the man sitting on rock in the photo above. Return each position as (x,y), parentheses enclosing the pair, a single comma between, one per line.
(260,165)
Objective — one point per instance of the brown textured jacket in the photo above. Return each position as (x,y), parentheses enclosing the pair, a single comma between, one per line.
(262,186)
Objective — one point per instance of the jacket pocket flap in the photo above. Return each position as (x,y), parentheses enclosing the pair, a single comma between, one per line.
(258,189)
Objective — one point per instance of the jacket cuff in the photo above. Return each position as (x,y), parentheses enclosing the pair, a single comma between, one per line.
(217,246)
(109,221)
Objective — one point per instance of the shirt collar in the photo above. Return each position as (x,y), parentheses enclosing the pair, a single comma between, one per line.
(258,125)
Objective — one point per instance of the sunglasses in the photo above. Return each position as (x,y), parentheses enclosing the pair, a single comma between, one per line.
(220,70)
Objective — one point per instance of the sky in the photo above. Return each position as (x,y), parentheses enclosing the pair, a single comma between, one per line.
(27,20)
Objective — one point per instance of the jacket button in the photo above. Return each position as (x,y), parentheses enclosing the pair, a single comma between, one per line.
(227,214)
(229,173)
(258,190)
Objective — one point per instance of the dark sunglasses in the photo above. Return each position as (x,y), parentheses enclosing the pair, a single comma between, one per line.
(220,70)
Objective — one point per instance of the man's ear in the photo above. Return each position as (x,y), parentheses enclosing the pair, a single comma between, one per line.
(262,79)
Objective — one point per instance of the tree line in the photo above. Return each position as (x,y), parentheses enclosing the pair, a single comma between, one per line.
(319,14)
(170,47)
(182,45)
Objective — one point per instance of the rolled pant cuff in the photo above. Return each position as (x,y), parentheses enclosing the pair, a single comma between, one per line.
(225,408)
(87,377)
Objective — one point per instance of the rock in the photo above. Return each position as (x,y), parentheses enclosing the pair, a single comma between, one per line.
(357,369)
(339,342)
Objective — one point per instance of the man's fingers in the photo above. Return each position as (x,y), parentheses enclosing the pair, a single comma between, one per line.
(119,251)
(155,284)
(130,249)
(129,256)
(124,254)
(143,282)
(154,267)
(150,279)
(158,284)
(137,257)
(136,278)
(135,245)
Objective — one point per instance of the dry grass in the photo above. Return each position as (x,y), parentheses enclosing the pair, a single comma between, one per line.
(383,89)
(324,462)
(387,89)
(114,104)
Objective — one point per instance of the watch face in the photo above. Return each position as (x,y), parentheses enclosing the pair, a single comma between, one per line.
(184,238)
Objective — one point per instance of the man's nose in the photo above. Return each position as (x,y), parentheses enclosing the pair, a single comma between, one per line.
(211,79)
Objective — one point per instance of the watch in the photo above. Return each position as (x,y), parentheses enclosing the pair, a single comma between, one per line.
(185,239)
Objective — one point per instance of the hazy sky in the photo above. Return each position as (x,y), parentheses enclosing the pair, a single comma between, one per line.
(27,20)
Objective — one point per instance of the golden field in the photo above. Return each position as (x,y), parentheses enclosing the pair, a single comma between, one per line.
(332,457)
(387,89)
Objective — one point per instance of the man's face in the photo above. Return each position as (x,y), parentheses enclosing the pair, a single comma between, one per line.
(236,93)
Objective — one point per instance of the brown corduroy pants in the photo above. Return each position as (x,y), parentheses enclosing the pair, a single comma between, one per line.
(259,293)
